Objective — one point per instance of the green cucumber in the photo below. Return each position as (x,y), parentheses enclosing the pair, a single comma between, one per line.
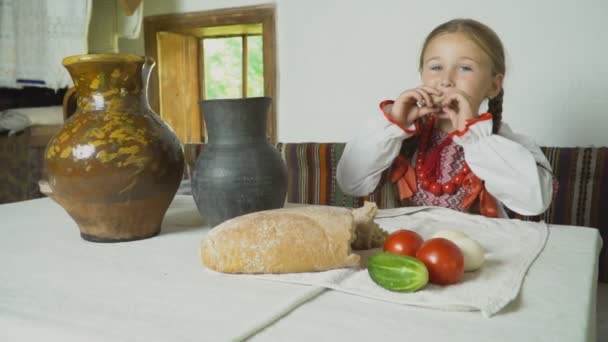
(400,273)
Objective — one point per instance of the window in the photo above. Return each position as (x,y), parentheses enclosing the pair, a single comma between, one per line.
(233,67)
(226,53)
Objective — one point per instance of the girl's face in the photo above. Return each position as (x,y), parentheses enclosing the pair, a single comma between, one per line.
(452,62)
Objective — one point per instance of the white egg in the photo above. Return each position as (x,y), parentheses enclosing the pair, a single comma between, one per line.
(474,254)
(449,234)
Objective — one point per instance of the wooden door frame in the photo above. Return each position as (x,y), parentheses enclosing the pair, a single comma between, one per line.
(185,22)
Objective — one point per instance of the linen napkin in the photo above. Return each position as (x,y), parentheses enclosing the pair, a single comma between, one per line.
(16,120)
(511,247)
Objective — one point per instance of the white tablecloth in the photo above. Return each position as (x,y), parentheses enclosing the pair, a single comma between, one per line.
(54,286)
(511,247)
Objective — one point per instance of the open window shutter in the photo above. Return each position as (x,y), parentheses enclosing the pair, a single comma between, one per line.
(178,72)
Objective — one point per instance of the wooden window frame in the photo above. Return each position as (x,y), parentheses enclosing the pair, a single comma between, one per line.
(189,22)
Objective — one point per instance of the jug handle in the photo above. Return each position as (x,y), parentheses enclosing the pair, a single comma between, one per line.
(146,71)
(69,103)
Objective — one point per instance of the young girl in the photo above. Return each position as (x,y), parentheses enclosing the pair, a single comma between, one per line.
(437,148)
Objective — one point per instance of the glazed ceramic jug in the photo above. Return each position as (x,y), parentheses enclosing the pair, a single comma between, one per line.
(238,170)
(115,165)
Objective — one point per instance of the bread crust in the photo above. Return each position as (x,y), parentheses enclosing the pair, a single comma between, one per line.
(303,239)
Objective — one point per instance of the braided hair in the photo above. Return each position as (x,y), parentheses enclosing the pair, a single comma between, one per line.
(495,108)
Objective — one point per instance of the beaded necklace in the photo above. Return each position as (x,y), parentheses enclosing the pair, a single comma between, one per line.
(427,164)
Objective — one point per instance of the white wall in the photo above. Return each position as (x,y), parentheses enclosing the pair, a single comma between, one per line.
(339,58)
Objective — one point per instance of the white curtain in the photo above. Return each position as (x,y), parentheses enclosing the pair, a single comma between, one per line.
(35,36)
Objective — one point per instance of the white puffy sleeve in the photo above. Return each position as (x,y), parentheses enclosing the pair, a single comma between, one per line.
(371,152)
(514,168)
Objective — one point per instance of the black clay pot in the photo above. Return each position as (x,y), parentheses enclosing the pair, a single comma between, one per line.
(238,171)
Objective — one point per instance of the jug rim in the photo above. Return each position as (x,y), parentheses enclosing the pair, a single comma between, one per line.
(103,57)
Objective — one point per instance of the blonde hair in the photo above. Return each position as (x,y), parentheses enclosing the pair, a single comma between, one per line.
(487,40)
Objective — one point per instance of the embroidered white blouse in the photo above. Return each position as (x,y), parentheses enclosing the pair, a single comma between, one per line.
(515,170)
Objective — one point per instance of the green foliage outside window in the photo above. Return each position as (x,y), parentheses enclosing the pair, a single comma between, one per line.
(255,66)
(223,67)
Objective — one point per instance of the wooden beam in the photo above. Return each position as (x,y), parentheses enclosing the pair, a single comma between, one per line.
(201,87)
(244,65)
(270,72)
(224,31)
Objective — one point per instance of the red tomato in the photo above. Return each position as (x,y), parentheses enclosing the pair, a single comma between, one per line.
(404,242)
(443,259)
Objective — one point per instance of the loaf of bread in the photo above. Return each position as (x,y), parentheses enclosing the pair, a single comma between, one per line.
(302,239)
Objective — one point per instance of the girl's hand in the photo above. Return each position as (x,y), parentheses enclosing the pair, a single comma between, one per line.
(413,104)
(457,106)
